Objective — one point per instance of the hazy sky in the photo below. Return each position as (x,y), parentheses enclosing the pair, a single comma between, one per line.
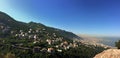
(78,16)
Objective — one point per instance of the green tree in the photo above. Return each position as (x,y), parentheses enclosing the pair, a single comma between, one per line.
(117,44)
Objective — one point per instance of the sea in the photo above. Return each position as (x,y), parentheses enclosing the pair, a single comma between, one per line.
(110,41)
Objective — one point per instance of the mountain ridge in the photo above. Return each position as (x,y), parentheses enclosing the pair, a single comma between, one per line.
(17,25)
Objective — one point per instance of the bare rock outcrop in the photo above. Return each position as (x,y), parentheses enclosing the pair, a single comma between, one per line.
(110,53)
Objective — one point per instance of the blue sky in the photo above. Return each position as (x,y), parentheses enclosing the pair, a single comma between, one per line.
(98,17)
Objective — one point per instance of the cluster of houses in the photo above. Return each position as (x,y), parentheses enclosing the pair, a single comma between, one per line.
(64,45)
(3,28)
(35,35)
(59,48)
(51,41)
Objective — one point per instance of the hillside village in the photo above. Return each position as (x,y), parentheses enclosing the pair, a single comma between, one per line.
(37,40)
(34,36)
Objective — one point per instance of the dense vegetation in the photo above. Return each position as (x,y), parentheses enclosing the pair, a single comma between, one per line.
(79,52)
(117,44)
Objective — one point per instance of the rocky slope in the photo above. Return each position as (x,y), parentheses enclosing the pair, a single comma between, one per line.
(110,53)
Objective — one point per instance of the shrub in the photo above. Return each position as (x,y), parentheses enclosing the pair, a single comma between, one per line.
(117,44)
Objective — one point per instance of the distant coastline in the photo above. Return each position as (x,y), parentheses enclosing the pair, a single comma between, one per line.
(110,41)
(106,40)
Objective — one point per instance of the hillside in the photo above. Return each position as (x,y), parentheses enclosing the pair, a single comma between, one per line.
(9,24)
(35,40)
(91,39)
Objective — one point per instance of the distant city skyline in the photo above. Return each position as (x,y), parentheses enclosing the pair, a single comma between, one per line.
(93,17)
